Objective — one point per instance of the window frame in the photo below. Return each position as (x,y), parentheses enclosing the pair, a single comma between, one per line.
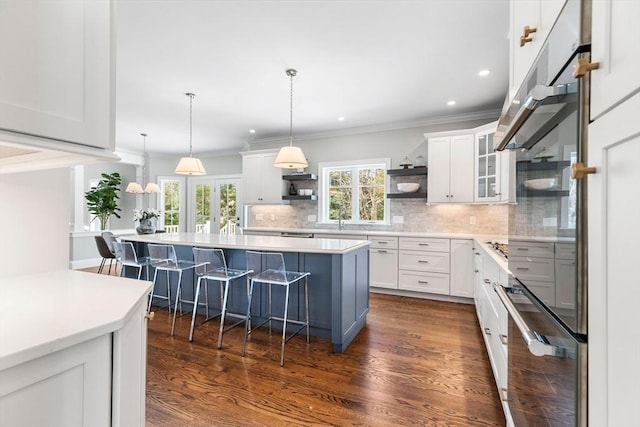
(162,182)
(323,189)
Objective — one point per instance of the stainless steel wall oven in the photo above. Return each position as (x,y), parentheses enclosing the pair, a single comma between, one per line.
(546,299)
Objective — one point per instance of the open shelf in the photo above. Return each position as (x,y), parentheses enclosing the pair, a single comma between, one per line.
(406,172)
(416,195)
(296,197)
(545,193)
(300,177)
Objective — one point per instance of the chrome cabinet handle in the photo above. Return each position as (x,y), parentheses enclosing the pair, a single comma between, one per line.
(423,244)
(487,331)
(424,282)
(487,281)
(522,268)
(535,341)
(382,251)
(503,339)
(383,243)
(423,261)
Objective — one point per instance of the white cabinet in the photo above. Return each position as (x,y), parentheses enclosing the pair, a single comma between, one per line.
(492,318)
(615,46)
(383,262)
(423,265)
(450,161)
(487,168)
(526,44)
(461,273)
(57,71)
(96,355)
(261,181)
(614,206)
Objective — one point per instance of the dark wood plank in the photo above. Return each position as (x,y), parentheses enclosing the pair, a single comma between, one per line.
(417,362)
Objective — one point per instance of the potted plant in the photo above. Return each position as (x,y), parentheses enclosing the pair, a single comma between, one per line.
(102,201)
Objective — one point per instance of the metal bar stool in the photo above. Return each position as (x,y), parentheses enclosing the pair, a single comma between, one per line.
(212,265)
(163,258)
(126,256)
(269,269)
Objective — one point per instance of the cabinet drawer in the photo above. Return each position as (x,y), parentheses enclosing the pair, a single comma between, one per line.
(565,251)
(434,262)
(424,244)
(545,291)
(526,248)
(383,268)
(423,282)
(383,242)
(537,269)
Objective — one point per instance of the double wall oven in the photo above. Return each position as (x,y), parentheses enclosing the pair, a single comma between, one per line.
(546,296)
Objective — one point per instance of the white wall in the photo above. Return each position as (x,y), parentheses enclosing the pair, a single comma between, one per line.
(34,222)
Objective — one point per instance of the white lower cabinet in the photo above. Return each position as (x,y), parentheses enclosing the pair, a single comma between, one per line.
(423,265)
(461,272)
(383,262)
(492,317)
(102,379)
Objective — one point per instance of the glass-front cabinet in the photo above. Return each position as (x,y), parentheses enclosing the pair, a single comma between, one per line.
(487,167)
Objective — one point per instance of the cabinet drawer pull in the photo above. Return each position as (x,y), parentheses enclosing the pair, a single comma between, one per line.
(424,282)
(522,268)
(383,243)
(423,244)
(503,339)
(487,331)
(477,271)
(423,261)
(522,249)
(477,253)
(503,394)
(382,251)
(487,281)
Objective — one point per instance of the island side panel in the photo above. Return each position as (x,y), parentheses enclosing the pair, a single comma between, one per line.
(350,296)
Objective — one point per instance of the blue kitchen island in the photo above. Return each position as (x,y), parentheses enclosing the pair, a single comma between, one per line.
(338,284)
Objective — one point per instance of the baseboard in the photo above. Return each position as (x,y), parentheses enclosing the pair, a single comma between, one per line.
(86,263)
(422,295)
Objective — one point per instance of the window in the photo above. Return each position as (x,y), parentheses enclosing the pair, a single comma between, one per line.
(354,191)
(172,204)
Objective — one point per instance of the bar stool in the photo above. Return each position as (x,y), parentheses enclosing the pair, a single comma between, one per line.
(163,258)
(127,257)
(212,265)
(269,269)
(105,253)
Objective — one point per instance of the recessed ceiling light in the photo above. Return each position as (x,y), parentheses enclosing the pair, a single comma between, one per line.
(341,119)
(252,131)
(451,103)
(484,73)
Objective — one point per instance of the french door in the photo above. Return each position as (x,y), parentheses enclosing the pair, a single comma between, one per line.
(214,201)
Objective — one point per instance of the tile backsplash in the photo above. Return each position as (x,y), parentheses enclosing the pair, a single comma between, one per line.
(415,216)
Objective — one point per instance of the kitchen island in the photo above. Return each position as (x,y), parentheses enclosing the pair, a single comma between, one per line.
(338,284)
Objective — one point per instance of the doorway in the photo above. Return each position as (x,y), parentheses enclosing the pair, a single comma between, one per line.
(213,202)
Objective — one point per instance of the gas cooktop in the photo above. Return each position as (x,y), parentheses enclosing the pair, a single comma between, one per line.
(501,248)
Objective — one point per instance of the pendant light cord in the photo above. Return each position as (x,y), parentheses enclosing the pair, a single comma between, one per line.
(291,73)
(144,156)
(191,96)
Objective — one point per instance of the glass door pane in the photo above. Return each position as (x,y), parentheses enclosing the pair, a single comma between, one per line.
(203,208)
(227,203)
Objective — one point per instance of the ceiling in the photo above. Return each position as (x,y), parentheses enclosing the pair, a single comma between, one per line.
(378,64)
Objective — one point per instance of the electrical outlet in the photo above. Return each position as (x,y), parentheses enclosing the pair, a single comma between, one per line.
(398,219)
(259,217)
(472,220)
(273,217)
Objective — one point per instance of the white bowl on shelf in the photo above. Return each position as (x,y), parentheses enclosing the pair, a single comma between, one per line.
(540,184)
(408,187)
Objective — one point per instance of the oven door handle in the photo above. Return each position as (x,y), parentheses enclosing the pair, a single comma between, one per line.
(534,340)
(534,98)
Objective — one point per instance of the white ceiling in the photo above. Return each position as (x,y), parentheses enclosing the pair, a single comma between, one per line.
(379,64)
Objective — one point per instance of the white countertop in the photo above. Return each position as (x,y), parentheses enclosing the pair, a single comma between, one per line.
(44,313)
(260,243)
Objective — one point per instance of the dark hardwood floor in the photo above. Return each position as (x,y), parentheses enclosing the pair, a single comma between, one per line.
(417,362)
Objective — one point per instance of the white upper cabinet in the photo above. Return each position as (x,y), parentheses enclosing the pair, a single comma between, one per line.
(615,46)
(531,21)
(262,182)
(57,71)
(487,168)
(450,161)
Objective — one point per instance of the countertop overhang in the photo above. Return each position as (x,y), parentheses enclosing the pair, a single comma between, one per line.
(248,242)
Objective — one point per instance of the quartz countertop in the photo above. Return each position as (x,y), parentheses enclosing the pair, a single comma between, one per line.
(45,313)
(363,233)
(261,243)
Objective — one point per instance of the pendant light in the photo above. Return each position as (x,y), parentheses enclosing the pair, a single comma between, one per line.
(190,165)
(151,187)
(290,157)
